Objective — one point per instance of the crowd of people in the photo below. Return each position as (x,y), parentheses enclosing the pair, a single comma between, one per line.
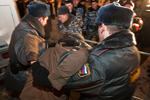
(70,68)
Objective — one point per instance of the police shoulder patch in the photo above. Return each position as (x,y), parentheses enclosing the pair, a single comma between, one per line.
(76,26)
(84,71)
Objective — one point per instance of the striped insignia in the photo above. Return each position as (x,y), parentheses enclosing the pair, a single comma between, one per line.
(84,71)
(31,25)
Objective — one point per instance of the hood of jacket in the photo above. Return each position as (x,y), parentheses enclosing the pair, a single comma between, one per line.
(119,39)
(35,24)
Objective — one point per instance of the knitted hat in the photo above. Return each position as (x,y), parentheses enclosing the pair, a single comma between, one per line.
(38,9)
(62,10)
(68,1)
(114,14)
(94,1)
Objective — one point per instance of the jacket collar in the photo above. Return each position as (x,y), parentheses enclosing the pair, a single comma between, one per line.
(70,18)
(91,9)
(79,6)
(34,23)
(120,39)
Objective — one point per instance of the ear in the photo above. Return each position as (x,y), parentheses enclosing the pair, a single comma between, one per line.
(40,19)
(104,27)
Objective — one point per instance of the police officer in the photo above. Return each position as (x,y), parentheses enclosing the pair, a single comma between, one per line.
(67,23)
(79,9)
(33,24)
(69,4)
(89,21)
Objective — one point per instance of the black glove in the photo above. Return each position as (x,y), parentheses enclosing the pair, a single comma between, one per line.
(84,33)
(76,36)
(86,45)
(40,75)
(79,37)
(69,42)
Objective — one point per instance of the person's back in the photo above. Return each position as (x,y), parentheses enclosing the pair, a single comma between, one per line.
(114,68)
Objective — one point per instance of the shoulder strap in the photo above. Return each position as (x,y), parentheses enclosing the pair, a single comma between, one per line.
(64,55)
(98,53)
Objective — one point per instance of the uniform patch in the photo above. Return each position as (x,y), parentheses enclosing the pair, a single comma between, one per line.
(77,26)
(84,71)
(134,75)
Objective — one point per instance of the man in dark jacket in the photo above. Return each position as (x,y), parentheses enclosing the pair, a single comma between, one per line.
(32,23)
(89,21)
(79,9)
(69,4)
(112,67)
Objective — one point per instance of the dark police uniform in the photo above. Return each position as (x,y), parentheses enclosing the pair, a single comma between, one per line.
(73,25)
(89,22)
(80,11)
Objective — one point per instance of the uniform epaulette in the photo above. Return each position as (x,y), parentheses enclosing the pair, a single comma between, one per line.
(99,52)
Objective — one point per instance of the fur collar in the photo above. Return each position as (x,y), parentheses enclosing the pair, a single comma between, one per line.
(35,24)
(120,39)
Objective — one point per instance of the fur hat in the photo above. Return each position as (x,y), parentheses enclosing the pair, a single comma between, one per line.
(38,9)
(129,2)
(68,1)
(82,0)
(114,14)
(62,10)
(94,1)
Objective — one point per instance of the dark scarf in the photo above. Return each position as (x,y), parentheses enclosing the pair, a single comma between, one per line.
(119,39)
(35,24)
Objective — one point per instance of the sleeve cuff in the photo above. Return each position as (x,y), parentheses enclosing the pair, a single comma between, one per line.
(31,56)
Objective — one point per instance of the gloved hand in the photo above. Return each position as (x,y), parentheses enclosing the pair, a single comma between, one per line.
(76,36)
(86,45)
(79,37)
(40,75)
(69,42)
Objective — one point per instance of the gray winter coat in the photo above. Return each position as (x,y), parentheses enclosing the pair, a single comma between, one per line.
(29,25)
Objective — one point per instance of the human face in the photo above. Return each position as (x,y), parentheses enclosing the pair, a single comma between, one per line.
(63,18)
(70,6)
(43,20)
(94,5)
(83,3)
(75,3)
(100,33)
(129,6)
